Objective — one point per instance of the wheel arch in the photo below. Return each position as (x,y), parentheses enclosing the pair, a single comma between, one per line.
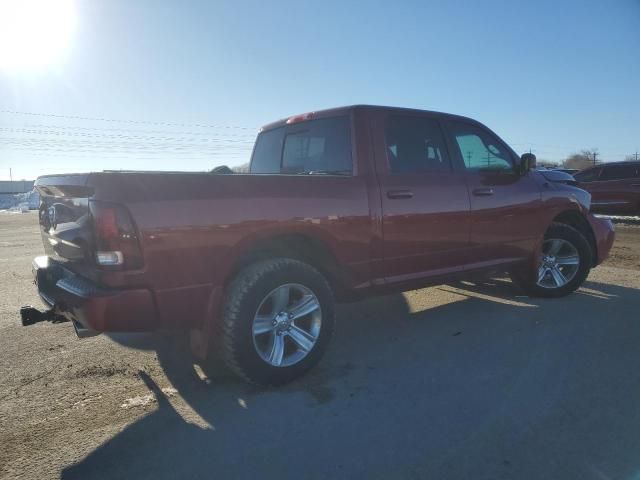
(298,246)
(577,220)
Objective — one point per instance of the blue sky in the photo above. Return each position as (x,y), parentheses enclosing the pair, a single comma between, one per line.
(553,76)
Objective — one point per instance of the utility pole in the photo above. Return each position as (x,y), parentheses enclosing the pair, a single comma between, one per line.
(594,157)
(636,155)
(10,176)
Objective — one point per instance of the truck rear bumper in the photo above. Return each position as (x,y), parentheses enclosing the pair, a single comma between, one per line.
(91,308)
(604,234)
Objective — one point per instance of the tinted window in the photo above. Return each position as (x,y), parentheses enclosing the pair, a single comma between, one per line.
(590,175)
(479,149)
(322,145)
(318,146)
(415,144)
(618,172)
(267,152)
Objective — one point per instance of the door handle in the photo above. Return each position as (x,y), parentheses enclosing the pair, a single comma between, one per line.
(397,194)
(483,192)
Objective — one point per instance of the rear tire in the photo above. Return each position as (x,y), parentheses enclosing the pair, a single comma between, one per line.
(277,321)
(557,275)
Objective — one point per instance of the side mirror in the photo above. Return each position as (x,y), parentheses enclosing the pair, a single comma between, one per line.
(527,162)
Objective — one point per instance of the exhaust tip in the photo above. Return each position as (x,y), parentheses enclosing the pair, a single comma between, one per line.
(82,332)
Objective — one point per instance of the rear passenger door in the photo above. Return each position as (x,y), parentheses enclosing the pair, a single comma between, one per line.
(313,184)
(505,205)
(425,203)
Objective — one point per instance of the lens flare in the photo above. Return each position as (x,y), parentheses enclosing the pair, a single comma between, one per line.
(35,34)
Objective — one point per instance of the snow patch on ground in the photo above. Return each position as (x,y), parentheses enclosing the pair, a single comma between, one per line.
(622,219)
(19,202)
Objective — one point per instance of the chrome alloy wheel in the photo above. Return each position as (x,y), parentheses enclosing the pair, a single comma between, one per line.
(287,325)
(559,264)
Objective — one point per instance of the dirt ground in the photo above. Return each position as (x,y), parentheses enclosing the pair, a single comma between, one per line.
(465,381)
(626,249)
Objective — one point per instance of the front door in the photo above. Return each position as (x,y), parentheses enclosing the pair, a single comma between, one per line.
(425,203)
(505,205)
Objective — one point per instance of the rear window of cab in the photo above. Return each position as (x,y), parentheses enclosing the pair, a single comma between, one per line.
(313,146)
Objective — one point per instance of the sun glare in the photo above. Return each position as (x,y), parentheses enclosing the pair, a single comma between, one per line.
(34,33)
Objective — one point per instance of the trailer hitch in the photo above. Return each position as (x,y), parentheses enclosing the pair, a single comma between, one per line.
(31,315)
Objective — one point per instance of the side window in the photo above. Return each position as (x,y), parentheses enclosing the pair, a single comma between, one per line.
(267,152)
(322,146)
(415,145)
(587,176)
(618,172)
(318,146)
(480,150)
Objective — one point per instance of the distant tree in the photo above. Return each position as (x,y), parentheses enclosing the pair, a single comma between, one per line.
(632,158)
(244,168)
(581,160)
(222,170)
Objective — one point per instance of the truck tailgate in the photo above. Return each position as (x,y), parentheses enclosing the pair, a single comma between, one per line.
(65,222)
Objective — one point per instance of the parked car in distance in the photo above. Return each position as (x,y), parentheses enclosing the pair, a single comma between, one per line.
(338,204)
(614,187)
(570,171)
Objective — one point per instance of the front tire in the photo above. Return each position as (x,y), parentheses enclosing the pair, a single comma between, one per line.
(564,264)
(277,321)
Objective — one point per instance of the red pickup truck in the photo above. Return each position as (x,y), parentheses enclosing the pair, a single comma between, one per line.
(338,204)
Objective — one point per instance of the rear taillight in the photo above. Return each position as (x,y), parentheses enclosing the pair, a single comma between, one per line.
(116,240)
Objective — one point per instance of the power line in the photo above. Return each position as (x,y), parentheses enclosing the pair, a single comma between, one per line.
(114,155)
(99,145)
(561,147)
(33,134)
(133,122)
(48,139)
(204,143)
(131,130)
(127,150)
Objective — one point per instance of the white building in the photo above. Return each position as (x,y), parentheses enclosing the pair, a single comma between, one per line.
(16,186)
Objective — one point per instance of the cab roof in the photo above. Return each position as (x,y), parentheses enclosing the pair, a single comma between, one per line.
(346,110)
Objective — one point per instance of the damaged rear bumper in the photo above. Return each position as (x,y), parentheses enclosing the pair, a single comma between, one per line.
(91,308)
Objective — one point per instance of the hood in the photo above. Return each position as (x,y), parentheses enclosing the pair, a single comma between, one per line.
(557,176)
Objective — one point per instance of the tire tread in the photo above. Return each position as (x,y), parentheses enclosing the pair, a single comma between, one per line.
(532,289)
(237,292)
